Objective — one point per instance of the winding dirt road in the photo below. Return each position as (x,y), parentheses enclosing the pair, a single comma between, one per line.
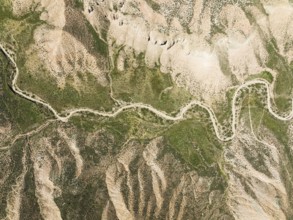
(65,116)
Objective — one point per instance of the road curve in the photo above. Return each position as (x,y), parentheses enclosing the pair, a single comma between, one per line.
(69,113)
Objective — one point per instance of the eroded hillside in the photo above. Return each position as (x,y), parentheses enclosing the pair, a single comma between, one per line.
(146,109)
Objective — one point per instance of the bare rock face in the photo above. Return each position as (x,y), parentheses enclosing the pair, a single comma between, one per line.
(57,47)
(256,189)
(143,186)
(202,44)
(141,180)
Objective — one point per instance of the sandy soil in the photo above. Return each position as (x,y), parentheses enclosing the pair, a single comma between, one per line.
(158,178)
(266,198)
(63,55)
(114,190)
(199,61)
(57,50)
(45,188)
(20,7)
(72,145)
(14,199)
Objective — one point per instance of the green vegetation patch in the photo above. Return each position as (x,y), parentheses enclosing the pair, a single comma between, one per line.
(154,5)
(99,44)
(263,75)
(262,117)
(149,86)
(5,10)
(279,128)
(78,4)
(83,204)
(128,124)
(18,31)
(91,94)
(223,112)
(23,113)
(14,169)
(284,80)
(224,109)
(29,205)
(194,142)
